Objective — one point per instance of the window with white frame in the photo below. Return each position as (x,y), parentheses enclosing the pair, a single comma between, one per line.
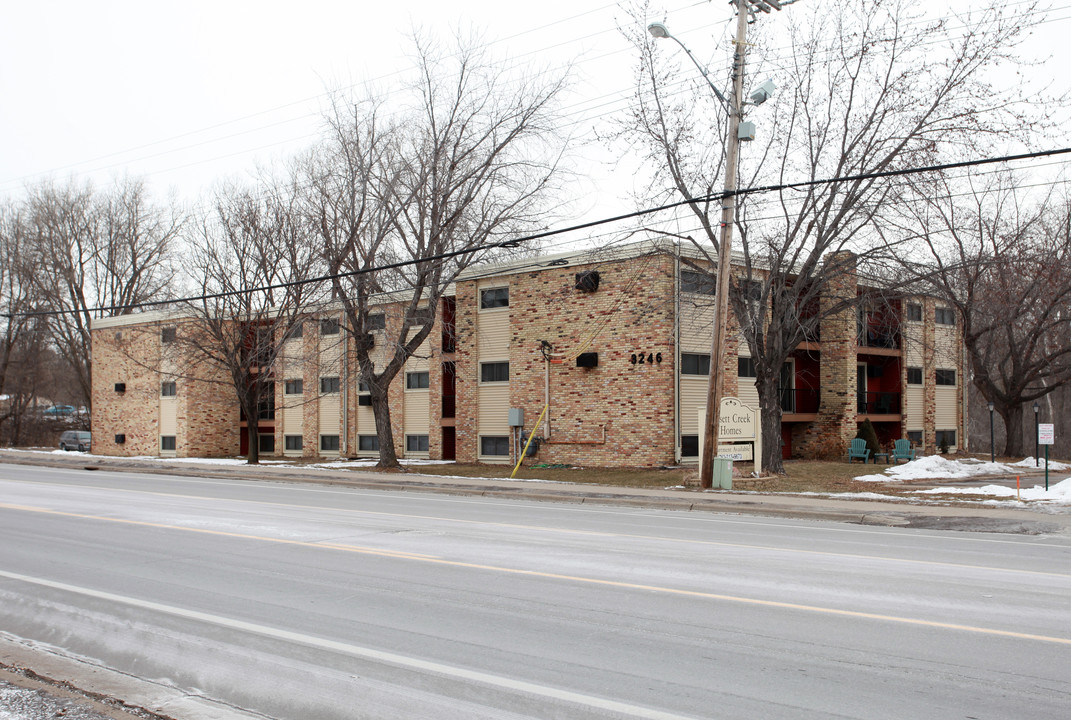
(167,443)
(944,316)
(914,312)
(416,443)
(295,386)
(914,376)
(417,380)
(368,443)
(329,385)
(168,388)
(945,376)
(494,445)
(491,298)
(695,364)
(494,372)
(294,442)
(329,443)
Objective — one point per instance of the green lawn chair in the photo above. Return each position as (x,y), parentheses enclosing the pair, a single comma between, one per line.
(858,449)
(902,450)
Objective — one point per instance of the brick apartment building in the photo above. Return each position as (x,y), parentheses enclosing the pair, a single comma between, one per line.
(615,346)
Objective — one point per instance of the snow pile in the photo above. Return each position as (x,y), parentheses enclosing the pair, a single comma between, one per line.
(1058,494)
(938,466)
(1030,463)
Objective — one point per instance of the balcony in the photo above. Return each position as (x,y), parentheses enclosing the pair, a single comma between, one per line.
(883,338)
(878,403)
(799,402)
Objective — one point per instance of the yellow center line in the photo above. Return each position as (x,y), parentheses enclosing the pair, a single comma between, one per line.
(560,576)
(592,533)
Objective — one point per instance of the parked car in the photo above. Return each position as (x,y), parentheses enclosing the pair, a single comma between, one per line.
(80,440)
(60,411)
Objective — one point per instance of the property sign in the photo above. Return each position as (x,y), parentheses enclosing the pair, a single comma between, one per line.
(739,424)
(1046,434)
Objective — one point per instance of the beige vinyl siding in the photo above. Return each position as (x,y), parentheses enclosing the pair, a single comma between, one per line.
(330,412)
(946,413)
(913,404)
(493,417)
(492,336)
(693,398)
(168,416)
(945,339)
(697,324)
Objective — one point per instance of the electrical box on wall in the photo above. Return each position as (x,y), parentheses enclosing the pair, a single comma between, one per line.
(516,417)
(120,439)
(587,360)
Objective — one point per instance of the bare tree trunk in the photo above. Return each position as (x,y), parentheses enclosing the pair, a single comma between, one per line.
(770,407)
(1013,422)
(388,458)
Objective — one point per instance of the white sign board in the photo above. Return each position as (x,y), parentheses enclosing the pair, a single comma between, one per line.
(1046,433)
(739,423)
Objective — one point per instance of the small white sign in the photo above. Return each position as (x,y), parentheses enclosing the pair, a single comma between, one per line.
(1046,433)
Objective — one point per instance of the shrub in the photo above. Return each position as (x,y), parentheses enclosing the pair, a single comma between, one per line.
(868,433)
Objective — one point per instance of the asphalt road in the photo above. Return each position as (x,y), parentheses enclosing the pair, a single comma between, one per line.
(302,601)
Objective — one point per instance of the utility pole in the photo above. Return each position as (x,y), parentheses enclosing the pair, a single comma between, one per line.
(734,106)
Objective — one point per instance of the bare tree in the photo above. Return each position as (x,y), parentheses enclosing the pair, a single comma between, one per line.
(23,334)
(1002,260)
(96,253)
(251,268)
(470,161)
(867,87)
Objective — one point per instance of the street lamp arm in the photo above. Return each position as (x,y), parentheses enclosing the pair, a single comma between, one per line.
(659,30)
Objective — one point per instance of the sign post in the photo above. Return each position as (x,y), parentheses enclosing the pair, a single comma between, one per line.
(1046,436)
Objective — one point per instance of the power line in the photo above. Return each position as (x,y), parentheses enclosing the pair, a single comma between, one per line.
(550,233)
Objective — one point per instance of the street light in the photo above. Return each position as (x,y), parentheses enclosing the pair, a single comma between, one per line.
(992,448)
(728,217)
(1037,407)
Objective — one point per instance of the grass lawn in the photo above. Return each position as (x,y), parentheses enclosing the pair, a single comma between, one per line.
(801,476)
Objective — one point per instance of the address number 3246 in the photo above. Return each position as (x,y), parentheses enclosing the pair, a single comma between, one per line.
(645,358)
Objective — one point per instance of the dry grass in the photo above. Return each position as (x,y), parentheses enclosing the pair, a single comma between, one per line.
(801,476)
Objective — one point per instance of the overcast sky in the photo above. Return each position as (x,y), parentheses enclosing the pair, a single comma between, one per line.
(185,93)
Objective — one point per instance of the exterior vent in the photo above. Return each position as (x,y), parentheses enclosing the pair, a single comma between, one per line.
(587,281)
(120,387)
(364,400)
(587,360)
(120,439)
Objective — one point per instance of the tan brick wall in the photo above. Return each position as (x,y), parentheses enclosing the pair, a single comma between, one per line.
(616,414)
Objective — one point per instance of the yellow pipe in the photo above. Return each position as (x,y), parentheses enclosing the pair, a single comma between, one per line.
(525,451)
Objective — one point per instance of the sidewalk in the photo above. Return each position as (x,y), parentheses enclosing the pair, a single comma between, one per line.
(1030,519)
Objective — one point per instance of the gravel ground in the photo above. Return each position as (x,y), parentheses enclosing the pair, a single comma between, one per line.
(25,698)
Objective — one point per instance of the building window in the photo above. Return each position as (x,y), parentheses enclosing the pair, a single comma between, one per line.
(295,387)
(294,442)
(375,321)
(416,443)
(497,446)
(914,376)
(297,331)
(168,389)
(915,436)
(492,372)
(328,385)
(745,367)
(168,335)
(697,282)
(689,446)
(494,298)
(421,316)
(167,443)
(944,316)
(368,443)
(417,381)
(329,443)
(914,312)
(266,443)
(946,438)
(695,364)
(364,394)
(329,326)
(946,377)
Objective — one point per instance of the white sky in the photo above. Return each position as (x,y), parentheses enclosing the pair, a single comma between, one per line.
(186,93)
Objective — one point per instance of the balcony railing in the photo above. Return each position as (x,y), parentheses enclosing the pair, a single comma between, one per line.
(879,338)
(803,401)
(878,403)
